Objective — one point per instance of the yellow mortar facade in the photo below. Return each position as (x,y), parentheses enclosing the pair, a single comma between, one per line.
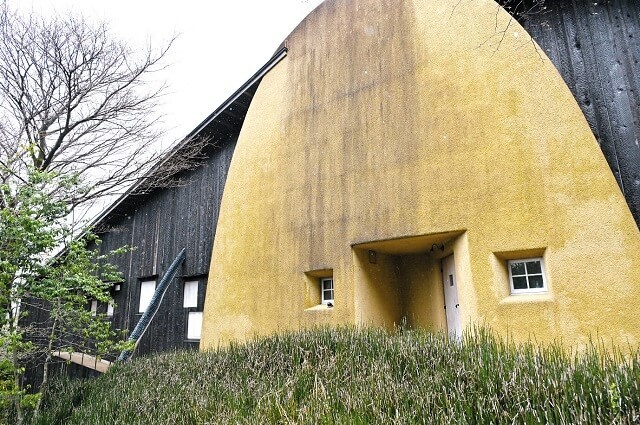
(416,130)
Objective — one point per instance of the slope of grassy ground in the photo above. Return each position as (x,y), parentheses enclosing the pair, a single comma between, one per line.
(358,376)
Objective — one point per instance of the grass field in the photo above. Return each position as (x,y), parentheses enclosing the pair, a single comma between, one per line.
(359,376)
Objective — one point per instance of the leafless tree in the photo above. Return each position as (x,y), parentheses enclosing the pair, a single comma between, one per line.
(519,10)
(75,101)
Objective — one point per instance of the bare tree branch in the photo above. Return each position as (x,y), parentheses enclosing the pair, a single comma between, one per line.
(519,10)
(75,100)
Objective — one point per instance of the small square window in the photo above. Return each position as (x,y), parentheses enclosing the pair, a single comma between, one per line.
(527,276)
(147,289)
(326,290)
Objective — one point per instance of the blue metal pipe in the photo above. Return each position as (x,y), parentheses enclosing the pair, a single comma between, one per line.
(154,306)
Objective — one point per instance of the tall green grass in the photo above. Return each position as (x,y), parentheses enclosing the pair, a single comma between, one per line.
(359,376)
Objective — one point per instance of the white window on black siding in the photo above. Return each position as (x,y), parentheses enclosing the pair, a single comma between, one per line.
(192,304)
(94,307)
(147,288)
(190,298)
(194,324)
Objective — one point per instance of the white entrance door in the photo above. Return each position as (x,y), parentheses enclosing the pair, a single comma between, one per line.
(452,308)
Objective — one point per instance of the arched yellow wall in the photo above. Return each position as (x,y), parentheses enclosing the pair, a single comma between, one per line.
(391,119)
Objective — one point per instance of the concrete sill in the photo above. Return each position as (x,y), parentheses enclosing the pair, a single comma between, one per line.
(320,307)
(527,298)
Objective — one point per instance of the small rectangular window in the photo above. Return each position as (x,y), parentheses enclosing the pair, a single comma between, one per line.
(147,288)
(527,276)
(190,298)
(194,325)
(326,290)
(110,309)
(94,307)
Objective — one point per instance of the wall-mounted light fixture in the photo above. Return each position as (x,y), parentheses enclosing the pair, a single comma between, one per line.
(372,257)
(436,246)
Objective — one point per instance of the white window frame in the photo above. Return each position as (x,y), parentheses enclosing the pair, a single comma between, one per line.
(110,306)
(147,289)
(190,294)
(324,300)
(194,325)
(545,286)
(94,307)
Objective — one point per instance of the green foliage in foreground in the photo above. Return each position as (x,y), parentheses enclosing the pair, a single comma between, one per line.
(359,377)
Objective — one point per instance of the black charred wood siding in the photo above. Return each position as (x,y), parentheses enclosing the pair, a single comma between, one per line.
(596,47)
(158,226)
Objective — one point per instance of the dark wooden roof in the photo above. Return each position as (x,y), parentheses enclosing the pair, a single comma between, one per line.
(221,125)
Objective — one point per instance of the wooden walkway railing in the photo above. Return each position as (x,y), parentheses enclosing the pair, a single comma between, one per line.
(85,360)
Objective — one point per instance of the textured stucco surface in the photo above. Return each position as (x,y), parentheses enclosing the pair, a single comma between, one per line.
(393,119)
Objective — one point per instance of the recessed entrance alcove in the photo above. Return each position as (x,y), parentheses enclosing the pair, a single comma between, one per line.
(400,280)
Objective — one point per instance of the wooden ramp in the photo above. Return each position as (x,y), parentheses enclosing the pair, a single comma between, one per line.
(85,360)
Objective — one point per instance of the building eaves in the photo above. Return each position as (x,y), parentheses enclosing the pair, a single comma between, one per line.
(234,100)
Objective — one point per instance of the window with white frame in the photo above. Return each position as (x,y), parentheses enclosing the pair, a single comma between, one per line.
(147,288)
(110,305)
(190,298)
(94,307)
(326,290)
(527,276)
(194,325)
(192,306)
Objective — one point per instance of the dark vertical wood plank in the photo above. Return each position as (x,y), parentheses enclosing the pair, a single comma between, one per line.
(159,226)
(595,48)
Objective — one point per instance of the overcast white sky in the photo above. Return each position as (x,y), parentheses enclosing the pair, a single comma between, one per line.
(220,44)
